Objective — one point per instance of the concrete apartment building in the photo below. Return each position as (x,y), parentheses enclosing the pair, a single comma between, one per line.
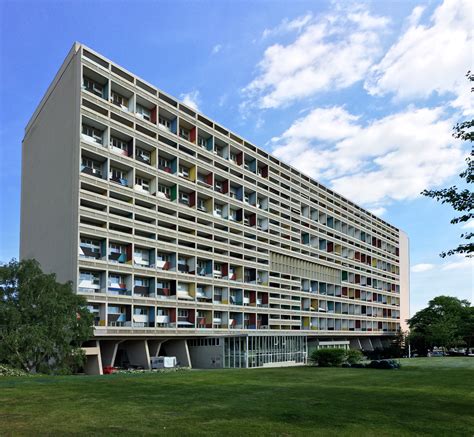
(189,241)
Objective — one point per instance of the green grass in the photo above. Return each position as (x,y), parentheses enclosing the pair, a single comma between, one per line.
(426,397)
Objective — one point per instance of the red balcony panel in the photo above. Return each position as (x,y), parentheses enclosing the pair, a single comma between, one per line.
(225,187)
(172,313)
(192,135)
(128,251)
(240,158)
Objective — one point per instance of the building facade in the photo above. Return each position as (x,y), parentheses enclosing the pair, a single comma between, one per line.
(189,241)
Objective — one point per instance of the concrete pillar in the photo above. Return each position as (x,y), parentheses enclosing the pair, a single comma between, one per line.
(154,347)
(366,344)
(376,343)
(108,350)
(93,365)
(179,349)
(137,352)
(354,343)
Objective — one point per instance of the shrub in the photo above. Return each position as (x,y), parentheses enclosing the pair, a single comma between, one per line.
(384,364)
(354,356)
(6,370)
(328,357)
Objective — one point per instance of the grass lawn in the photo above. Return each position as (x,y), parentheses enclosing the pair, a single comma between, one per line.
(430,396)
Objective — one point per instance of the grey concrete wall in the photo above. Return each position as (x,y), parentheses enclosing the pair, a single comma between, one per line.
(178,349)
(404,280)
(137,352)
(50,168)
(207,357)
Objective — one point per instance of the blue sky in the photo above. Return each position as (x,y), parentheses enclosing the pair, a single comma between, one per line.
(360,95)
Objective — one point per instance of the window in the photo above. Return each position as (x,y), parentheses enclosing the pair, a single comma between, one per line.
(91,244)
(143,155)
(117,174)
(201,142)
(183,171)
(184,133)
(93,133)
(144,183)
(90,277)
(164,122)
(163,163)
(218,210)
(119,100)
(116,248)
(142,282)
(201,205)
(143,112)
(183,313)
(166,191)
(118,143)
(184,198)
(93,87)
(218,185)
(232,157)
(92,165)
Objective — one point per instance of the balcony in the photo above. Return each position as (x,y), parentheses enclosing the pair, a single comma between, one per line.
(167,121)
(89,282)
(119,176)
(143,257)
(120,144)
(91,249)
(117,286)
(91,167)
(163,290)
(204,293)
(142,289)
(94,83)
(143,156)
(92,134)
(118,255)
(141,318)
(163,319)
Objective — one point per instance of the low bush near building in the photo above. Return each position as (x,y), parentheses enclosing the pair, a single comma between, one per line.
(354,356)
(333,357)
(384,364)
(328,357)
(11,371)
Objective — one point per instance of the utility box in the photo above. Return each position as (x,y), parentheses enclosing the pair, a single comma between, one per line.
(163,362)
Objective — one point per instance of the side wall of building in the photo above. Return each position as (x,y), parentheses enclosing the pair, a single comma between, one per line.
(49,191)
(404,280)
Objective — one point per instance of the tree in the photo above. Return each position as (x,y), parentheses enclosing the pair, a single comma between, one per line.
(444,323)
(462,200)
(42,322)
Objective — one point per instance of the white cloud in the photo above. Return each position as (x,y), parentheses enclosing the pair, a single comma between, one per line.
(468,225)
(374,163)
(378,210)
(331,52)
(461,262)
(429,58)
(289,25)
(419,268)
(191,99)
(216,49)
